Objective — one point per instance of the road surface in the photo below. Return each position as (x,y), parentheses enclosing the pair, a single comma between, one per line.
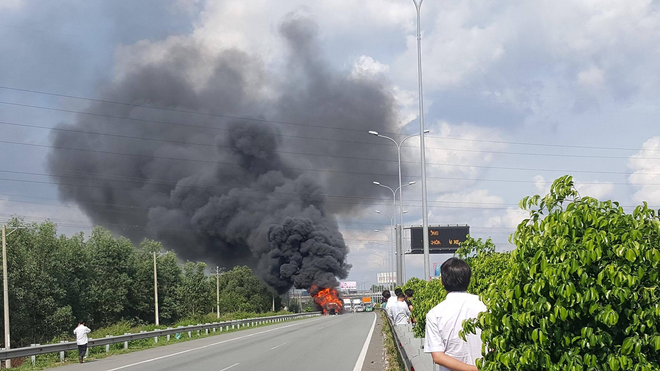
(333,343)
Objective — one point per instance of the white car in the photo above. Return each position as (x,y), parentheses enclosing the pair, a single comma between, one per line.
(359,308)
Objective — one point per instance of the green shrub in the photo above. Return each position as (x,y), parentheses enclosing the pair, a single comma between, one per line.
(427,295)
(581,292)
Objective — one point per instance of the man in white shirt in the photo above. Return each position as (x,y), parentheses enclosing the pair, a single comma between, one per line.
(399,311)
(81,339)
(393,299)
(445,321)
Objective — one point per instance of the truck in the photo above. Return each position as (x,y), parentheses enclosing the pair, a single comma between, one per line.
(368,307)
(332,308)
(357,305)
(347,305)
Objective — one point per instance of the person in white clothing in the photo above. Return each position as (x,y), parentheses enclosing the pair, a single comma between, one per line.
(81,339)
(393,299)
(399,311)
(445,321)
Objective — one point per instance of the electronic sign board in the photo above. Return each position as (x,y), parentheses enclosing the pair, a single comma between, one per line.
(442,240)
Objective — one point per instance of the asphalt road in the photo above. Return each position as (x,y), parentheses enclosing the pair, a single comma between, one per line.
(332,343)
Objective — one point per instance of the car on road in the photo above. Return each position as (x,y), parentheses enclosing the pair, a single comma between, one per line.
(359,308)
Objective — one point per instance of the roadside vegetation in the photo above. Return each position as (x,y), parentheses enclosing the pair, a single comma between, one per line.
(54,281)
(579,292)
(392,357)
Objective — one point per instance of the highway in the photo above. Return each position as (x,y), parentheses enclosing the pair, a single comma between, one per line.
(333,343)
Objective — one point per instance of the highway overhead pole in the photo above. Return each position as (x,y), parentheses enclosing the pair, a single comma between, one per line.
(425,213)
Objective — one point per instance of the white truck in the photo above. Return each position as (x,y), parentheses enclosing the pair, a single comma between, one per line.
(347,305)
(357,305)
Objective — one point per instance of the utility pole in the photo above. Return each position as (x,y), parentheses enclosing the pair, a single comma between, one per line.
(217,290)
(156,288)
(5,287)
(5,293)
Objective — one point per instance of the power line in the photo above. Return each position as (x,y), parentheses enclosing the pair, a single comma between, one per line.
(316,154)
(234,164)
(298,124)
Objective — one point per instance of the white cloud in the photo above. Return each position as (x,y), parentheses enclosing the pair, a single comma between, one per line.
(11,4)
(591,77)
(646,172)
(511,218)
(367,66)
(468,157)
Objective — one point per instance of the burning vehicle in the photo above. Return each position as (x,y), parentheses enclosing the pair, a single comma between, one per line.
(327,299)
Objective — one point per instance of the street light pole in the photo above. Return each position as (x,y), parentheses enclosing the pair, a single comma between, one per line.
(425,219)
(399,232)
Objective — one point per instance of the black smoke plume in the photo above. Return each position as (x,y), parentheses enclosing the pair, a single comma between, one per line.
(225,190)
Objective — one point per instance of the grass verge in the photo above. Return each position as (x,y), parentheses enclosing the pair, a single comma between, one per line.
(53,359)
(392,356)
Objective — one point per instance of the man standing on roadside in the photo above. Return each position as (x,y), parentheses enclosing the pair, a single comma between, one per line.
(445,321)
(81,339)
(399,311)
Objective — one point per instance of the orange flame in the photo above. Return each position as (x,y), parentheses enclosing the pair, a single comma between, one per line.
(327,298)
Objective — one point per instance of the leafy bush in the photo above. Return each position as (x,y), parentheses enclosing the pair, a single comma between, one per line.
(428,294)
(486,264)
(581,292)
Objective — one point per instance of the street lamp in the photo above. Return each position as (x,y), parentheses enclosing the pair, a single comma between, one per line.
(399,242)
(425,219)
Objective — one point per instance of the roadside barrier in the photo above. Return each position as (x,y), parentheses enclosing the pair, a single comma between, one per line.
(411,348)
(37,349)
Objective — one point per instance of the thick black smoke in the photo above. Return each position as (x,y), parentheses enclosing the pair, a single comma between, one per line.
(230,191)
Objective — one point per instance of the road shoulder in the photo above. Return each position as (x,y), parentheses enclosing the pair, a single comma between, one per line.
(375,359)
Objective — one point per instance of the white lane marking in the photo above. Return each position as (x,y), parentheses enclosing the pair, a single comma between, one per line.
(363,353)
(275,347)
(227,368)
(321,327)
(202,347)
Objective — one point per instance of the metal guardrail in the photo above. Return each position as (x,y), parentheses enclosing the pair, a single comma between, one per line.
(411,349)
(126,338)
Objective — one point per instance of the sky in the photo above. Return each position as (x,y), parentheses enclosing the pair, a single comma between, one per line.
(516,94)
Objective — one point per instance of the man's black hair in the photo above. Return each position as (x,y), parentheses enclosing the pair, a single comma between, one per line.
(386,294)
(455,274)
(398,292)
(81,322)
(409,293)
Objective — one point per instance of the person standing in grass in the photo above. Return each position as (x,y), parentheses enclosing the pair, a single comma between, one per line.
(81,339)
(445,321)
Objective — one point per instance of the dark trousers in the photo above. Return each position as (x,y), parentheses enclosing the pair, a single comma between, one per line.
(82,349)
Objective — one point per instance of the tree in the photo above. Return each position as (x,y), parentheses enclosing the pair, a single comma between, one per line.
(581,292)
(242,291)
(195,290)
(110,261)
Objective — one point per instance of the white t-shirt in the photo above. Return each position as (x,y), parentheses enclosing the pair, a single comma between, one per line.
(391,301)
(81,334)
(445,321)
(399,312)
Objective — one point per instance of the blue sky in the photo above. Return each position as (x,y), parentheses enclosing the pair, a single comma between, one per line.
(516,94)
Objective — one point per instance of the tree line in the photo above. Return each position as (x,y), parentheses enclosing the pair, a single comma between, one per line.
(55,280)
